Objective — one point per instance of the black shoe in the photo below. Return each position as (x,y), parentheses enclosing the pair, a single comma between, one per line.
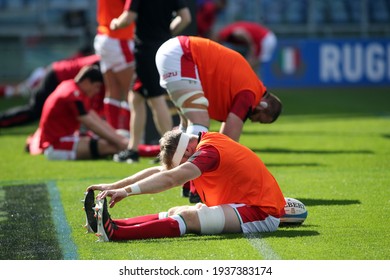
(194,197)
(89,208)
(128,156)
(106,226)
(185,190)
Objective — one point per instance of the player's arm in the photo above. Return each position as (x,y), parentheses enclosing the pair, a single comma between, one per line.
(204,160)
(128,180)
(92,121)
(181,21)
(158,182)
(167,179)
(126,18)
(232,127)
(239,112)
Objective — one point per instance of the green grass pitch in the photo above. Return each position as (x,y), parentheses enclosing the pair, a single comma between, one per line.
(330,149)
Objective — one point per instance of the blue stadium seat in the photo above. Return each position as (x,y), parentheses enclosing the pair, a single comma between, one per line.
(272,11)
(379,11)
(338,12)
(296,11)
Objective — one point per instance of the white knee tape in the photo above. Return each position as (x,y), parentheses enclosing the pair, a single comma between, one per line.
(212,219)
(192,101)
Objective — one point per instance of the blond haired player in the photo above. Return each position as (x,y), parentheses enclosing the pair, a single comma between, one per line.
(239,194)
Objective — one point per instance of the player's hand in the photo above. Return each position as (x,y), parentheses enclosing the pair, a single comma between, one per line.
(99,187)
(116,196)
(114,24)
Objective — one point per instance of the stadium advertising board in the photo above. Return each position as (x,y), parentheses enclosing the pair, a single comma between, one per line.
(323,62)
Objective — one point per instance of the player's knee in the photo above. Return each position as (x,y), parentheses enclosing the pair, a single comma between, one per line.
(177,210)
(191,219)
(211,219)
(188,96)
(202,219)
(193,101)
(174,210)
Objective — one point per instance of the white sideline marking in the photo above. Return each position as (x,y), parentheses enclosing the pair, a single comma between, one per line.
(69,249)
(262,247)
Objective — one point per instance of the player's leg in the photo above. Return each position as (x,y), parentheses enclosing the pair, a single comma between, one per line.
(76,148)
(202,219)
(109,229)
(188,96)
(161,114)
(16,116)
(64,149)
(137,124)
(155,94)
(253,219)
(92,148)
(180,77)
(112,100)
(117,65)
(124,79)
(32,111)
(212,220)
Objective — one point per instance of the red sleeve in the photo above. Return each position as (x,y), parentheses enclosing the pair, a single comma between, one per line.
(127,5)
(242,104)
(206,158)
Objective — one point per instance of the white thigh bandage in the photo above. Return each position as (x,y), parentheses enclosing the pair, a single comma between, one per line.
(212,219)
(188,95)
(192,102)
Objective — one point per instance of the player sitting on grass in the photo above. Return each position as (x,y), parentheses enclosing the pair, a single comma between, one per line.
(239,194)
(65,111)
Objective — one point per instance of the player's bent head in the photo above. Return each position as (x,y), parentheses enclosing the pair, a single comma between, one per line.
(268,110)
(168,145)
(91,72)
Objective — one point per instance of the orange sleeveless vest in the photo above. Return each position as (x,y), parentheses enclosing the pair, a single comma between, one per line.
(223,74)
(241,177)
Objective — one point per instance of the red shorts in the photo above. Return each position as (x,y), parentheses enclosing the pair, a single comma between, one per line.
(253,219)
(64,149)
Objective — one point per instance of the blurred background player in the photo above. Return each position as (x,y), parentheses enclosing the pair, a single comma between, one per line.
(206,15)
(66,109)
(156,22)
(29,85)
(258,42)
(115,48)
(25,87)
(53,75)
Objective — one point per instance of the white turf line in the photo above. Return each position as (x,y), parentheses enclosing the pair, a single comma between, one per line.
(69,249)
(262,247)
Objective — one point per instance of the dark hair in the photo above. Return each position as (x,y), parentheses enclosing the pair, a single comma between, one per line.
(91,72)
(275,108)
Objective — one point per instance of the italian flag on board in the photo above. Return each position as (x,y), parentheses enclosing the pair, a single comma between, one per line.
(289,60)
